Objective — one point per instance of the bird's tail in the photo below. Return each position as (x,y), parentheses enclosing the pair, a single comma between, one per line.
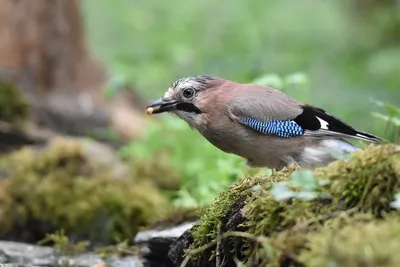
(354,135)
(369,137)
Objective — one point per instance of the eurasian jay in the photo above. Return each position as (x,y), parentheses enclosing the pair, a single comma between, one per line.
(258,123)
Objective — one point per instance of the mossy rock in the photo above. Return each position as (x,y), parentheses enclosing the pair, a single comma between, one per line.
(59,187)
(13,107)
(252,227)
(158,170)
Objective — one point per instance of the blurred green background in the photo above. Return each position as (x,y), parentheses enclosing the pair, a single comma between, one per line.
(342,53)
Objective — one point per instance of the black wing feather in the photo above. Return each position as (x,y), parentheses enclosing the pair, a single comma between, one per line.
(309,121)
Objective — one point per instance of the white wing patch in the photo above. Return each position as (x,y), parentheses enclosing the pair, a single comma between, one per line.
(324,124)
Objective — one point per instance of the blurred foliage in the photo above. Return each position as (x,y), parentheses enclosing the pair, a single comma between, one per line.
(13,106)
(60,187)
(391,118)
(157,169)
(180,215)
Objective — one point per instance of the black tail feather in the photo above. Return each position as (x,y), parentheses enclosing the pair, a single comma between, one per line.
(315,121)
(369,137)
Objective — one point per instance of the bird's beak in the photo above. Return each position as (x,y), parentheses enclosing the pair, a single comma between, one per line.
(160,105)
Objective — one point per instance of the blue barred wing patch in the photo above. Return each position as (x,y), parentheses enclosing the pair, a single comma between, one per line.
(279,128)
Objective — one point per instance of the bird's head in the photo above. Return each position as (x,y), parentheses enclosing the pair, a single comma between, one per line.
(184,98)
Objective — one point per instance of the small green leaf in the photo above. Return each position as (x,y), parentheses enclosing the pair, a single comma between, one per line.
(393,120)
(368,251)
(392,110)
(304,180)
(185,199)
(323,182)
(272,80)
(296,79)
(269,250)
(281,192)
(377,102)
(381,116)
(306,195)
(238,262)
(332,263)
(325,195)
(256,188)
(396,203)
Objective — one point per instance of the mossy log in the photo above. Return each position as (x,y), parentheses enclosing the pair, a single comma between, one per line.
(354,226)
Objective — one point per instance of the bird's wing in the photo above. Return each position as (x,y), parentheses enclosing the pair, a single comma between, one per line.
(272,112)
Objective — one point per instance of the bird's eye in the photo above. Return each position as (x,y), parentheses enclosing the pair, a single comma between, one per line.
(188,93)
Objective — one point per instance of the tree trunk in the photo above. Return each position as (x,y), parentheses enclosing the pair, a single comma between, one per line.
(44,52)
(42,44)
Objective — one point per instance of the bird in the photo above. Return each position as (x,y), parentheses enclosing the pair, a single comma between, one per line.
(261,124)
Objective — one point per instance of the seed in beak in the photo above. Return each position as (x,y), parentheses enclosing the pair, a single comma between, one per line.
(149,111)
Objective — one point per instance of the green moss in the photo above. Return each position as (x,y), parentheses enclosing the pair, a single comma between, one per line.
(13,107)
(364,184)
(368,182)
(122,249)
(63,245)
(61,188)
(245,188)
(359,243)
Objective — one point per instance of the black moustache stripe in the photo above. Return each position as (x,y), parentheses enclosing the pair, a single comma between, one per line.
(188,107)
